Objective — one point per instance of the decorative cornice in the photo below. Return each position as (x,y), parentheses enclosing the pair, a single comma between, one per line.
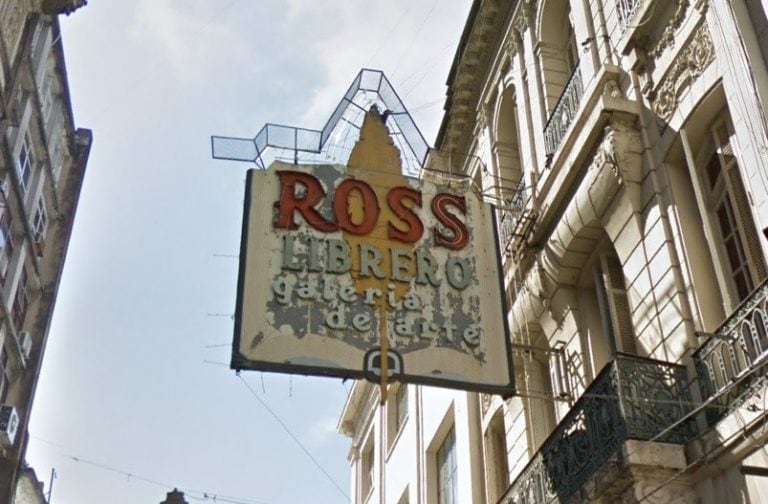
(471,64)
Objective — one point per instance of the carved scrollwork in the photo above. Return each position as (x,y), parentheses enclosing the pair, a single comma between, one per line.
(523,17)
(668,36)
(689,65)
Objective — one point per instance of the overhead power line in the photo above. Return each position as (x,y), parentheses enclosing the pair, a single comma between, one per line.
(296,440)
(197,495)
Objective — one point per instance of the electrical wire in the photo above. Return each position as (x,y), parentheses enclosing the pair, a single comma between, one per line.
(698,407)
(690,416)
(385,39)
(295,439)
(413,38)
(192,494)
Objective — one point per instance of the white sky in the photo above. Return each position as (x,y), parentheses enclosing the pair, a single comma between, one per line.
(125,383)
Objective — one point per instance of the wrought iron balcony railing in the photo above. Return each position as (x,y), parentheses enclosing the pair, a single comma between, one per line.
(510,211)
(563,113)
(626,10)
(631,398)
(729,364)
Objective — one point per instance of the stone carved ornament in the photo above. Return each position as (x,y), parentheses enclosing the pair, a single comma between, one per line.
(485,402)
(481,120)
(612,89)
(687,67)
(522,17)
(511,46)
(668,37)
(605,157)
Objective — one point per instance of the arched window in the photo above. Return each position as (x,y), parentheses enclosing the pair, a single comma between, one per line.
(496,462)
(561,77)
(510,183)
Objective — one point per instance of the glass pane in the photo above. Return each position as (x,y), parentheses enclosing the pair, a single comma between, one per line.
(733,254)
(742,285)
(713,170)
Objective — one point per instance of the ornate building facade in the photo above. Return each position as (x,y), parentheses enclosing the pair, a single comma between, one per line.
(42,163)
(625,144)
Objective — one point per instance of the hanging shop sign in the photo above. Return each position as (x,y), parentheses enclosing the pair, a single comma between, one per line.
(333,257)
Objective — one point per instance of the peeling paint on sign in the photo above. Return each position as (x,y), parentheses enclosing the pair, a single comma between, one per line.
(329,250)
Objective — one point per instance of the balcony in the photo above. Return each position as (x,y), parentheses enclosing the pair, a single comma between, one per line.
(730,364)
(513,216)
(627,10)
(631,398)
(563,114)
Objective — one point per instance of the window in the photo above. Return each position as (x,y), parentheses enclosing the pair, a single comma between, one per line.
(605,312)
(25,162)
(614,304)
(21,300)
(571,48)
(366,471)
(731,216)
(496,466)
(46,96)
(446,470)
(561,78)
(45,88)
(40,224)
(6,243)
(397,412)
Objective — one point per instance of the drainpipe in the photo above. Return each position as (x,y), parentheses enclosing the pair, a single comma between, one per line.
(592,40)
(604,33)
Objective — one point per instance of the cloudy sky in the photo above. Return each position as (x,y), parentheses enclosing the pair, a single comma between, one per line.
(134,398)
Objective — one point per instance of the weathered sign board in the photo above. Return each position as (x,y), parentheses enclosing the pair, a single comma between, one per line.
(333,256)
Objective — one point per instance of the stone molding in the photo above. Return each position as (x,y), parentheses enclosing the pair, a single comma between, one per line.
(692,61)
(667,38)
(512,46)
(523,17)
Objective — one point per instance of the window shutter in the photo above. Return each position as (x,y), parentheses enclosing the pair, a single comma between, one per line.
(618,299)
(747,223)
